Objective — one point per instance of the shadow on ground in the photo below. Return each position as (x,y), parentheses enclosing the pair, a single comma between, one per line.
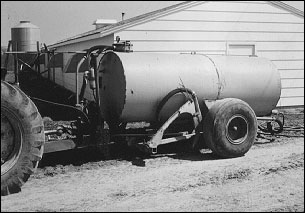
(119,152)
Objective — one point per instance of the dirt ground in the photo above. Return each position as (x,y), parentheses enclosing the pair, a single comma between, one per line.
(270,177)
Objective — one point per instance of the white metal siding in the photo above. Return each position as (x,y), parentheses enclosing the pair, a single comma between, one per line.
(209,27)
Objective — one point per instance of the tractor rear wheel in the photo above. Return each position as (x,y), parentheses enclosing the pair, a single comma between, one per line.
(22,138)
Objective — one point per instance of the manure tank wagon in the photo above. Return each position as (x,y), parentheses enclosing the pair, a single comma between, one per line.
(215,101)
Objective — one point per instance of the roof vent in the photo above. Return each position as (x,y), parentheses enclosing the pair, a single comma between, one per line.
(99,23)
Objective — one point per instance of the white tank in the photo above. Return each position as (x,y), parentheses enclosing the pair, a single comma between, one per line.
(133,84)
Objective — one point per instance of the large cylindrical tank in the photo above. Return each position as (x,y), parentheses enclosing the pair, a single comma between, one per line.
(133,84)
(25,36)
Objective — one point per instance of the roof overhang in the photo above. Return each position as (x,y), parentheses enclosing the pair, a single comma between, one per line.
(125,24)
(287,7)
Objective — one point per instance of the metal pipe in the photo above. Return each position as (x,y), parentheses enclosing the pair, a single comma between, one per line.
(76,77)
(54,67)
(49,65)
(38,59)
(96,82)
(149,134)
(16,66)
(265,118)
(31,52)
(85,83)
(7,54)
(50,132)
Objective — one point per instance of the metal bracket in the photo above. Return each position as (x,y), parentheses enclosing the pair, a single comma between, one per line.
(191,107)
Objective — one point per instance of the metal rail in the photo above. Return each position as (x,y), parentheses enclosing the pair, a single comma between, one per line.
(35,52)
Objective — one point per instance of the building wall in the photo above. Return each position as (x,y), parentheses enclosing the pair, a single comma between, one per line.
(211,28)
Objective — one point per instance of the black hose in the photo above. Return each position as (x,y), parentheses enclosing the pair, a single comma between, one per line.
(98,47)
(271,130)
(283,118)
(285,135)
(169,95)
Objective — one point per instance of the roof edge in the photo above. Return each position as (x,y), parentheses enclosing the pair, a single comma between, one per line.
(287,7)
(155,14)
(120,25)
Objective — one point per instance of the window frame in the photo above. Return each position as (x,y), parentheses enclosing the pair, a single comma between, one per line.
(253,44)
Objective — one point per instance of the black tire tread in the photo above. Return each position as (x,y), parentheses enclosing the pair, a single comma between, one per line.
(209,126)
(33,139)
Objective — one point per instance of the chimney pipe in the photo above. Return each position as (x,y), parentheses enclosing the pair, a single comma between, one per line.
(103,22)
(123,14)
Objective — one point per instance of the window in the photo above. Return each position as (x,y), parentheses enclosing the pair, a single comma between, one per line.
(241,49)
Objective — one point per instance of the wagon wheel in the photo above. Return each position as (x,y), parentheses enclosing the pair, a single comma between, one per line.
(230,127)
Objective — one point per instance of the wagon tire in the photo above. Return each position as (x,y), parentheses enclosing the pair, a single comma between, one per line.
(22,138)
(230,128)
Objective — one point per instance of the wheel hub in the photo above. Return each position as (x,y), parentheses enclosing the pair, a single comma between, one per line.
(237,129)
(7,139)
(10,143)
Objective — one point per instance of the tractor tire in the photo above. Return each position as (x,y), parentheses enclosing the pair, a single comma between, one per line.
(22,138)
(230,128)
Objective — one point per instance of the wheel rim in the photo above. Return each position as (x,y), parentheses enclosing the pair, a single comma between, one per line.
(237,129)
(11,143)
